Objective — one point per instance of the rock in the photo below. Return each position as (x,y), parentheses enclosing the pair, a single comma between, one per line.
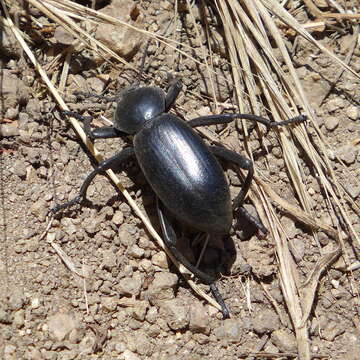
(352,353)
(162,286)
(135,252)
(199,318)
(88,344)
(12,113)
(12,86)
(109,303)
(121,39)
(109,260)
(347,154)
(152,315)
(130,286)
(9,44)
(5,317)
(284,340)
(229,331)
(17,300)
(160,259)
(126,235)
(175,313)
(9,352)
(60,325)
(19,318)
(33,109)
(62,36)
(19,169)
(96,84)
(289,226)
(39,209)
(332,330)
(143,343)
(33,354)
(353,112)
(35,303)
(139,310)
(118,218)
(154,331)
(352,189)
(129,355)
(260,258)
(265,321)
(8,130)
(335,104)
(125,209)
(331,123)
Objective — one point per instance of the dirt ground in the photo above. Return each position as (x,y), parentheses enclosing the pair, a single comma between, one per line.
(132,304)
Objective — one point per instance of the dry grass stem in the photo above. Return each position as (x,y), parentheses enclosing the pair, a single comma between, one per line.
(248,26)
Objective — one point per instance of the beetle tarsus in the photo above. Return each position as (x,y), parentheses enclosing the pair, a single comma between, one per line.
(74,201)
(253,220)
(77,116)
(216,294)
(295,120)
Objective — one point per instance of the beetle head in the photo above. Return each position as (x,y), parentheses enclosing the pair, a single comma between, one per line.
(137,106)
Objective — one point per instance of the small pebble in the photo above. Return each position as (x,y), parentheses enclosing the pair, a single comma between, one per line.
(199,318)
(8,130)
(135,252)
(284,340)
(335,104)
(353,190)
(130,286)
(353,112)
(118,218)
(347,154)
(129,355)
(12,113)
(60,325)
(230,331)
(331,123)
(175,312)
(265,321)
(109,303)
(62,36)
(160,259)
(152,315)
(162,287)
(332,330)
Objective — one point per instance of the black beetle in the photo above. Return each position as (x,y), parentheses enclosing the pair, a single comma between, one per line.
(180,167)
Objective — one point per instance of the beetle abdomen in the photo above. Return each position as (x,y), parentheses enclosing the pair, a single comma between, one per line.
(184,174)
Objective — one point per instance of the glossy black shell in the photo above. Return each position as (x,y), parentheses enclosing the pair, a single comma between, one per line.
(184,174)
(137,106)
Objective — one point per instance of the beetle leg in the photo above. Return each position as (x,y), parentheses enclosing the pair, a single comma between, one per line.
(105,132)
(245,164)
(107,164)
(227,118)
(170,241)
(172,93)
